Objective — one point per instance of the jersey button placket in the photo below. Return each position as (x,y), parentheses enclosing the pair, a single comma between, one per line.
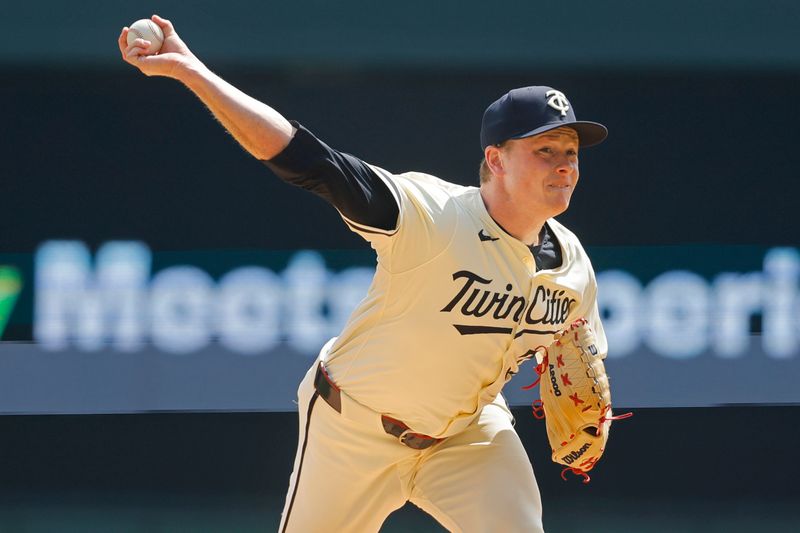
(529,263)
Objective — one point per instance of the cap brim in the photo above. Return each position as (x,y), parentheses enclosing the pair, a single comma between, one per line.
(589,133)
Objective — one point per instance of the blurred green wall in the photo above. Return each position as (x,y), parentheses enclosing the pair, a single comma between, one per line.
(528,33)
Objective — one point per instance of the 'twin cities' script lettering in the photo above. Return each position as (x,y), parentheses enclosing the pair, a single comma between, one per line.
(547,308)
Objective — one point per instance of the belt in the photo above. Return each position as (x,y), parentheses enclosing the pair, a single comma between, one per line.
(332,395)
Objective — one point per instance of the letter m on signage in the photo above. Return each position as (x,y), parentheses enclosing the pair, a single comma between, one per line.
(90,304)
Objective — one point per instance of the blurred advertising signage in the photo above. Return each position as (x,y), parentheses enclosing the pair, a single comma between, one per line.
(115,301)
(679,314)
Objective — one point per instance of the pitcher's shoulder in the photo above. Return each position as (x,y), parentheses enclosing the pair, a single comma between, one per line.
(427,189)
(429,181)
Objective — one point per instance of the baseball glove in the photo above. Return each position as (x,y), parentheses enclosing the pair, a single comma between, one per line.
(576,399)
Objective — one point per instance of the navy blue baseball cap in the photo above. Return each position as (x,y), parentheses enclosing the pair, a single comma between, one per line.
(529,111)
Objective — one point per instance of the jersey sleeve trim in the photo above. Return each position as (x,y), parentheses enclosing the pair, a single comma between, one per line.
(365,229)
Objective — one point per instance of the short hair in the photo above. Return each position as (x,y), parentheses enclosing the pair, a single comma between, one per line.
(484,171)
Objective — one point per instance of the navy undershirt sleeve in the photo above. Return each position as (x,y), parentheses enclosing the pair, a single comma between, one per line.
(344,181)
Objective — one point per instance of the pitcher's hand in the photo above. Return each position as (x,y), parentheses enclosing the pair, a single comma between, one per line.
(173,57)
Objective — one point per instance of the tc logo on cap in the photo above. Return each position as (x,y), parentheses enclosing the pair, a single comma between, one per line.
(557,101)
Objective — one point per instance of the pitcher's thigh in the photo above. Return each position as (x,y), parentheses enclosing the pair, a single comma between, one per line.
(481,480)
(344,480)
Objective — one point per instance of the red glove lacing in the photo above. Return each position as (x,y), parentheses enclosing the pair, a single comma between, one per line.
(538,405)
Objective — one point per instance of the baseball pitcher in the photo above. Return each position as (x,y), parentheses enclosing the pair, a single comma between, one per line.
(405,404)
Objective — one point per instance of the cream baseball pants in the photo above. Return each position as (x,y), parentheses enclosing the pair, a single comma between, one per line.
(349,474)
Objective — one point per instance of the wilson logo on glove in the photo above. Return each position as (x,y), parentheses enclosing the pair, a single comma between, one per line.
(570,458)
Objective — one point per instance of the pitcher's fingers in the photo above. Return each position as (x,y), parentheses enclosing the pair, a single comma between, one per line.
(143,43)
(164,24)
(135,53)
(123,41)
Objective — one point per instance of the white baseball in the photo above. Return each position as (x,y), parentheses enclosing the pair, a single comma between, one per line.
(149,31)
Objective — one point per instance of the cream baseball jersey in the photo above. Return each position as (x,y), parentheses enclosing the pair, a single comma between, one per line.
(455,306)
